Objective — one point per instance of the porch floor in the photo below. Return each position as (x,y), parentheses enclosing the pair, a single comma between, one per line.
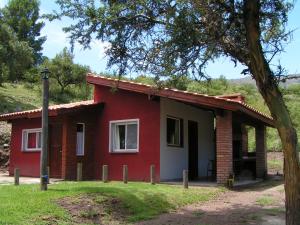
(207,183)
(195,183)
(5,179)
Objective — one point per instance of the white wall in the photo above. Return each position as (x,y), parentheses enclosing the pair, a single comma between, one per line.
(173,160)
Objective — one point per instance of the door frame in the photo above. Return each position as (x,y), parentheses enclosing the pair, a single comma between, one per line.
(58,134)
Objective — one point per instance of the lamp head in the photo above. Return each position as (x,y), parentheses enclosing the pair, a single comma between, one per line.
(45,73)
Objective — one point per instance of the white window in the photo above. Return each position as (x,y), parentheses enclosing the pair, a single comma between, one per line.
(32,139)
(124,136)
(80,139)
(174,132)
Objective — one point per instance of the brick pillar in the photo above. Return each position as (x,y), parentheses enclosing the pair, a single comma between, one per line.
(244,140)
(261,154)
(224,146)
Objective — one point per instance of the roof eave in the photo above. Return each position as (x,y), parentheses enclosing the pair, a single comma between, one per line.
(166,93)
(52,112)
(266,120)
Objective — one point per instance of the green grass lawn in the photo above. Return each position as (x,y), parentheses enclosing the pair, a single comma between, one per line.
(275,165)
(266,201)
(26,204)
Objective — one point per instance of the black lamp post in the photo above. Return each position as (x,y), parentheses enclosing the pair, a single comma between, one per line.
(44,153)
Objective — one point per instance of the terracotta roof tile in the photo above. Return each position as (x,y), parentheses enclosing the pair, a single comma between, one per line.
(222,102)
(52,109)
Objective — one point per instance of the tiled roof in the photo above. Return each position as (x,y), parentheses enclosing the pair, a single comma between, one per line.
(227,102)
(220,102)
(53,110)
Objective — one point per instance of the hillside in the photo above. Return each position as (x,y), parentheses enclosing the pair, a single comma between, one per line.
(249,80)
(24,96)
(16,97)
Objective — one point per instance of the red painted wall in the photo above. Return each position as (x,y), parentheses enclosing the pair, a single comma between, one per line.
(27,162)
(118,106)
(128,105)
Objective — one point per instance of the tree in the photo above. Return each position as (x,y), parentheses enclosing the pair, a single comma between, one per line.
(179,38)
(15,56)
(64,71)
(23,17)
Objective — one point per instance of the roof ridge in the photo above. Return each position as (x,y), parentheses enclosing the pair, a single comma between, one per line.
(165,88)
(215,97)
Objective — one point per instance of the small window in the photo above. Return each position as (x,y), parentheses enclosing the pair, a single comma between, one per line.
(174,132)
(32,139)
(124,136)
(80,139)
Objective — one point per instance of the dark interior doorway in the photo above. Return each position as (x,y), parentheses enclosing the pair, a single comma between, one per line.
(55,150)
(193,149)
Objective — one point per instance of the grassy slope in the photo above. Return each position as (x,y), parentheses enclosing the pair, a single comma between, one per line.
(25,204)
(24,96)
(15,97)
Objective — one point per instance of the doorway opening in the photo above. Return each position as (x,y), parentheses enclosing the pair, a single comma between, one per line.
(193,149)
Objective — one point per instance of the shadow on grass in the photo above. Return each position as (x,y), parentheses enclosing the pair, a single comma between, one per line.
(260,186)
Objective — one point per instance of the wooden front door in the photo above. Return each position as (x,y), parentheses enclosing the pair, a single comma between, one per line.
(55,150)
(193,149)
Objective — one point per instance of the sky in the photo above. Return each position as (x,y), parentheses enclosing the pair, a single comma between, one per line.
(95,56)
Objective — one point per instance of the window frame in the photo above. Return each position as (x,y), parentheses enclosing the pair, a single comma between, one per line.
(25,142)
(83,152)
(124,122)
(181,128)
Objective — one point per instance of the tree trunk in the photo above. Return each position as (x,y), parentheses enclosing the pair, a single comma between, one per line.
(62,89)
(268,88)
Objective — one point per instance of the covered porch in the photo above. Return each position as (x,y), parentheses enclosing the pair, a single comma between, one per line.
(233,156)
(214,144)
(70,134)
(71,141)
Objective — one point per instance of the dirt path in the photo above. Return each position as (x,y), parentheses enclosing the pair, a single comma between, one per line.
(262,204)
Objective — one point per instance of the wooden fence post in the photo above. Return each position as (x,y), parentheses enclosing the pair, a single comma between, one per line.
(185,178)
(17,176)
(48,169)
(79,171)
(105,173)
(152,174)
(125,174)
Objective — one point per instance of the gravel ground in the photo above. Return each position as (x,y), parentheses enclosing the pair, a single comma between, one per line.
(263,204)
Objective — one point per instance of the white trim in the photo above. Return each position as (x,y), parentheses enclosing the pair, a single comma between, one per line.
(124,122)
(83,129)
(25,142)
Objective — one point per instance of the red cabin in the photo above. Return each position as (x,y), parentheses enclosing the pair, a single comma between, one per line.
(140,125)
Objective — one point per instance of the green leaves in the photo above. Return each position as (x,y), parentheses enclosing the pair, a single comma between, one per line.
(15,56)
(22,16)
(167,38)
(20,40)
(64,72)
